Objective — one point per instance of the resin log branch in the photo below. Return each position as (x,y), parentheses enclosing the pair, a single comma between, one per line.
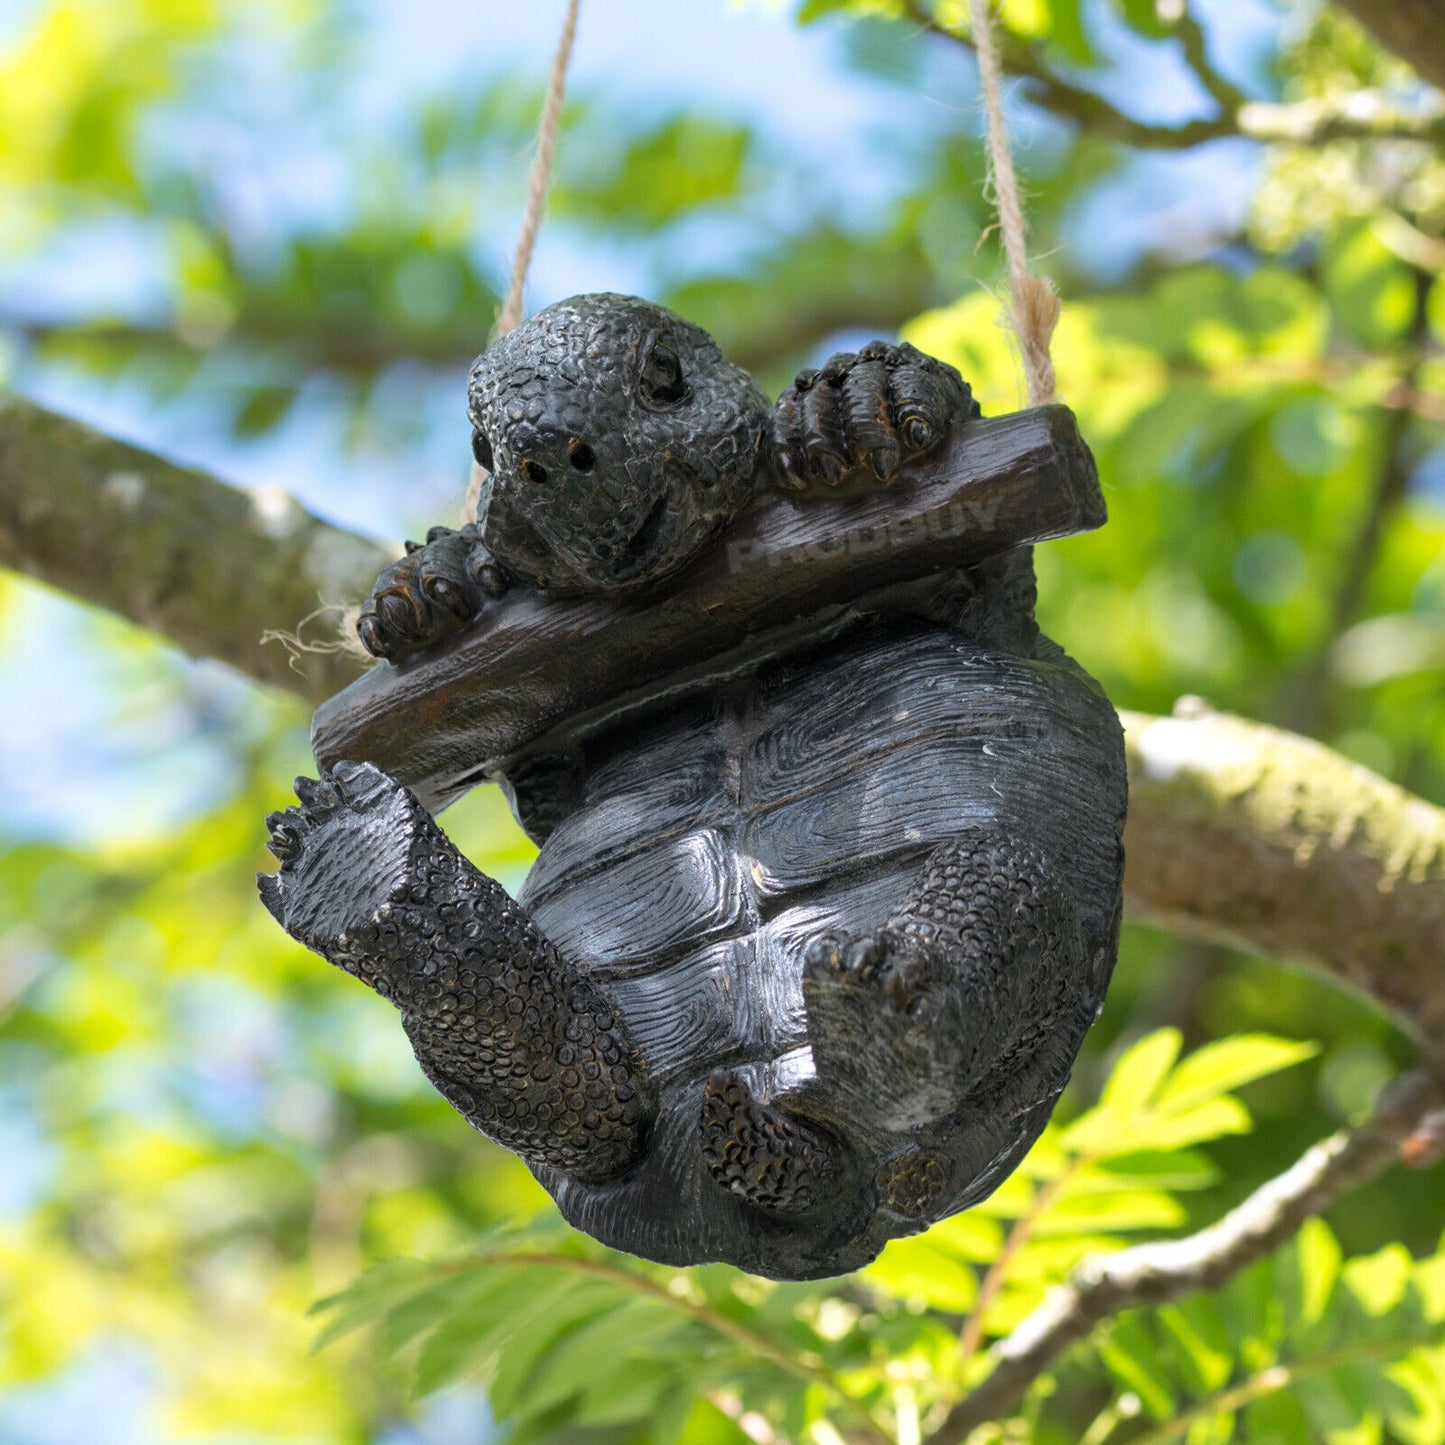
(533,663)
(1156,1273)
(208,566)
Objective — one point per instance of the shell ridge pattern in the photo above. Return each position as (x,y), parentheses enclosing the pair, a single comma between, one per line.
(809,890)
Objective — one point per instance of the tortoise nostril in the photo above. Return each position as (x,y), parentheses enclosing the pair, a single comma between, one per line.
(582,457)
(535,472)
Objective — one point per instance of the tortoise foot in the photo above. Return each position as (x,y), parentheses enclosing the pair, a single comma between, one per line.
(761,1152)
(429,594)
(885,1022)
(346,854)
(863,414)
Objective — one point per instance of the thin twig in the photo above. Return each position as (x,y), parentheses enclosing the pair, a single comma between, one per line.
(1223,91)
(1155,1273)
(1306,705)
(993,1281)
(1270,1381)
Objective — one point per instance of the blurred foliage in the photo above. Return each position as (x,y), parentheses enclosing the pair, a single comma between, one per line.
(203,1130)
(572,1338)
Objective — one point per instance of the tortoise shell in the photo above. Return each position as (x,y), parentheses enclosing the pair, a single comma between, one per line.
(822,910)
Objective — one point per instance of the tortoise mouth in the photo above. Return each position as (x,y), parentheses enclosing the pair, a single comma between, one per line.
(644,540)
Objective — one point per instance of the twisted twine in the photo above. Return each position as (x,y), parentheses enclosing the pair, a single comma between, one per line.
(538,181)
(1033,300)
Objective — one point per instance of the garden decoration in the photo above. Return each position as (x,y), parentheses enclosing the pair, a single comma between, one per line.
(828,889)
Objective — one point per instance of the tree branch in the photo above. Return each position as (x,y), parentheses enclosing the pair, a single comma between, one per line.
(1238,833)
(1223,91)
(207,566)
(1263,840)
(1362,115)
(1155,1273)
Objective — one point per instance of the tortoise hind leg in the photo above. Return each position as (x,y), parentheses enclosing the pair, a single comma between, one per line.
(974,989)
(761,1152)
(513,1036)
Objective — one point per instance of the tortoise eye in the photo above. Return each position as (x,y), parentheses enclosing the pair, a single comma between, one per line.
(482,449)
(662,380)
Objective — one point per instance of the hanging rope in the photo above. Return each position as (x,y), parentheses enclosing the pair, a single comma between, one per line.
(1033,299)
(538,181)
(541,176)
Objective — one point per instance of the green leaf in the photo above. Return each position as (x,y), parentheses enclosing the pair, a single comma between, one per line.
(1140,1073)
(1370,288)
(1215,1428)
(525,1343)
(1331,1407)
(264,410)
(1201,1343)
(811,11)
(1379,1281)
(600,1355)
(632,1394)
(1160,1129)
(1226,1064)
(1420,1376)
(468,1340)
(1129,1354)
(1174,1169)
(1067,32)
(1280,1419)
(1317,1257)
(1430,1284)
(429,1308)
(380,1289)
(1076,1212)
(972,1236)
(687,162)
(1435,308)
(918,1269)
(1143,16)
(705,1424)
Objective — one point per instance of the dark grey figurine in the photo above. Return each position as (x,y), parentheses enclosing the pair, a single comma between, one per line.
(813,938)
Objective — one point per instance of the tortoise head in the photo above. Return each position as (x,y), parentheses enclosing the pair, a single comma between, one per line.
(618,439)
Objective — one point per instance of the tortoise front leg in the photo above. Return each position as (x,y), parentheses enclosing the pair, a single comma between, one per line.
(515,1038)
(976,992)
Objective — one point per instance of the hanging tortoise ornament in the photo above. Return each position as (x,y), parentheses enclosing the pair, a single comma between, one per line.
(829,883)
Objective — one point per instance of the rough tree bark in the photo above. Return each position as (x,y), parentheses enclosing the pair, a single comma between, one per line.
(1238,833)
(1268,841)
(207,566)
